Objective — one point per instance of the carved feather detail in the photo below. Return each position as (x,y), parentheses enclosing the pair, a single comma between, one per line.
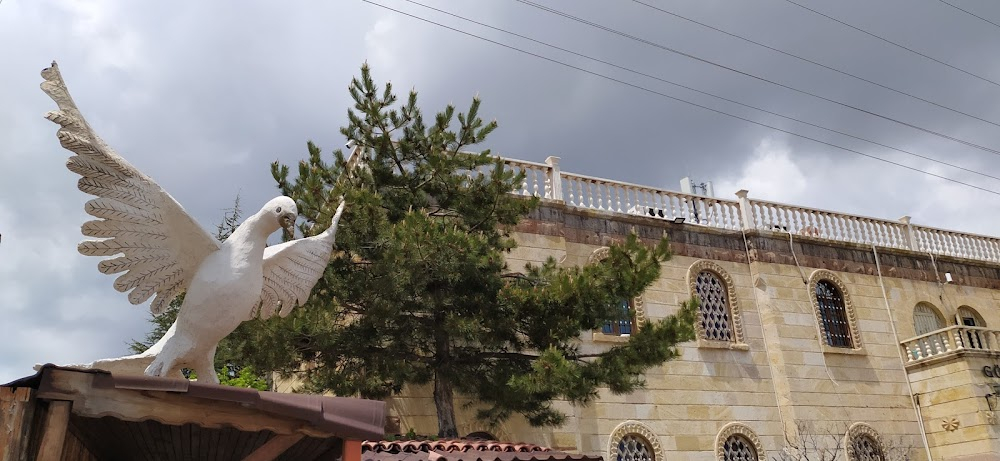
(160,246)
(292,269)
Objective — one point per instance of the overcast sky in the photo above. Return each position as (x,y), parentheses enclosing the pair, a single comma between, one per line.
(202,96)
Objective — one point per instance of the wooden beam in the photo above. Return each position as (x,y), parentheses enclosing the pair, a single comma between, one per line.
(54,431)
(274,447)
(17,409)
(352,450)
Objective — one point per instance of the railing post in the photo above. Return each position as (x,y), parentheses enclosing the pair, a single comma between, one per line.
(554,189)
(746,213)
(911,238)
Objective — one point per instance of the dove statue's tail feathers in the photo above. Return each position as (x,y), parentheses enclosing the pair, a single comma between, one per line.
(132,365)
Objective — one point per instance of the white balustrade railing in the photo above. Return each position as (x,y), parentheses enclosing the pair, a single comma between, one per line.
(619,197)
(950,340)
(537,178)
(958,244)
(546,180)
(827,224)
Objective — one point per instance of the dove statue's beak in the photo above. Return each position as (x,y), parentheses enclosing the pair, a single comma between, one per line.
(288,222)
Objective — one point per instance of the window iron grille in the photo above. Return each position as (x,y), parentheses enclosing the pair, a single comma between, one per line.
(738,448)
(836,329)
(866,448)
(713,307)
(633,447)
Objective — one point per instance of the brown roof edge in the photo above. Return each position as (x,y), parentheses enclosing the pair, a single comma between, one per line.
(349,418)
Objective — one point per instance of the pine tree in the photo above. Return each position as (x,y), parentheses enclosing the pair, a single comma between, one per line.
(418,291)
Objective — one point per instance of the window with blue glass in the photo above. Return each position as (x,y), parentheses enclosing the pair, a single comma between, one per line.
(624,325)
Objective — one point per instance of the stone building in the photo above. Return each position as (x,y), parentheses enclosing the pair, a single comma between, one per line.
(861,337)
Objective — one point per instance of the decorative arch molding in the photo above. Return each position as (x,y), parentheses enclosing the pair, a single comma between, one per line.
(735,314)
(471,427)
(861,430)
(852,316)
(638,302)
(739,429)
(599,254)
(632,427)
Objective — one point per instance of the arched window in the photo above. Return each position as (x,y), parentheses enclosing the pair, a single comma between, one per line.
(481,435)
(633,441)
(719,322)
(632,313)
(866,449)
(838,323)
(968,317)
(836,329)
(624,325)
(926,319)
(713,307)
(737,442)
(864,443)
(738,448)
(634,447)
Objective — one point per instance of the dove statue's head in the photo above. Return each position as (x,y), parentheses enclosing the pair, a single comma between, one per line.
(283,211)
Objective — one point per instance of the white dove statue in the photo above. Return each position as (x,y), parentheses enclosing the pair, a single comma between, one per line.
(162,251)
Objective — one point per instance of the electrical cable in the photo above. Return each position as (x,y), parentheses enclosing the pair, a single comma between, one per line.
(810,61)
(894,43)
(747,74)
(968,12)
(515,34)
(651,91)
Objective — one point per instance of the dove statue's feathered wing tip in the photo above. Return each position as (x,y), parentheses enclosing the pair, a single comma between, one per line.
(161,245)
(54,86)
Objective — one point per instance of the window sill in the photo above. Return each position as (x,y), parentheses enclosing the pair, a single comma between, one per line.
(827,349)
(603,338)
(711,344)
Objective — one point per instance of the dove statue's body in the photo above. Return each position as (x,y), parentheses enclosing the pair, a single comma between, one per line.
(164,252)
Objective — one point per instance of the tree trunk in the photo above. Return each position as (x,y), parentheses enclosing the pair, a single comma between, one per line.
(444,402)
(444,393)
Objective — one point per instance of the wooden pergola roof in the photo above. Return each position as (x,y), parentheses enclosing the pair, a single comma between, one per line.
(71,414)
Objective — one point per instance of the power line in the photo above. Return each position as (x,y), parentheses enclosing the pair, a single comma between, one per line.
(968,12)
(810,61)
(894,43)
(643,74)
(747,74)
(651,91)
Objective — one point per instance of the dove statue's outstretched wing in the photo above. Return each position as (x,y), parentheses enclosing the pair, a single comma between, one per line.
(291,269)
(161,245)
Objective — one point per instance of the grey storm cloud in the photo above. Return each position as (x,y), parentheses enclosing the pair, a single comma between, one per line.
(202,96)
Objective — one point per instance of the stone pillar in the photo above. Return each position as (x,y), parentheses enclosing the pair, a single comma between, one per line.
(746,213)
(553,190)
(911,238)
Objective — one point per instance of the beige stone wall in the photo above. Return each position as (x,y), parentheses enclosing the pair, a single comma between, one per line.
(785,376)
(687,401)
(951,393)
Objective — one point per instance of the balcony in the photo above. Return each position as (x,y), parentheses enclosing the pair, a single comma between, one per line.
(949,342)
